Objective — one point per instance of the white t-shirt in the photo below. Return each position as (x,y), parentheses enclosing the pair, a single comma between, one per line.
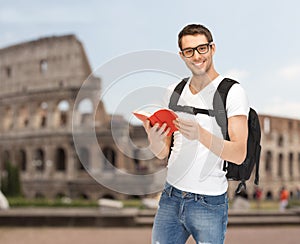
(192,167)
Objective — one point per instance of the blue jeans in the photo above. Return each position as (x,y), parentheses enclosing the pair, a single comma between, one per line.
(181,214)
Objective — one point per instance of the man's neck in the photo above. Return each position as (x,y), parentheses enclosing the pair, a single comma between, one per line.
(199,82)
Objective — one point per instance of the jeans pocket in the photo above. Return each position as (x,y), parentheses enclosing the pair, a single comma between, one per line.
(214,202)
(167,189)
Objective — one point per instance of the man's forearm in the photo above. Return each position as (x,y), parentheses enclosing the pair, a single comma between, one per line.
(160,150)
(232,151)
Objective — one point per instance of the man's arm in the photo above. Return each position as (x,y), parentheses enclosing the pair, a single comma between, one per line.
(234,150)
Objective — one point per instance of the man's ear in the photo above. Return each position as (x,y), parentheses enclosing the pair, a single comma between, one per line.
(213,48)
(180,54)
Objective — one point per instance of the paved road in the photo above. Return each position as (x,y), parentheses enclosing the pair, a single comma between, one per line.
(71,235)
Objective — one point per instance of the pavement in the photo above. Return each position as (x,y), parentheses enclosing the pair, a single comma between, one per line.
(133,226)
(94,235)
(130,217)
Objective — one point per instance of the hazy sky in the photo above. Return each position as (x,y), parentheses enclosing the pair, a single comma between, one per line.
(257,41)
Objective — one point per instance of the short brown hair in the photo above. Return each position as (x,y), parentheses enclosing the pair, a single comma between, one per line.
(194,29)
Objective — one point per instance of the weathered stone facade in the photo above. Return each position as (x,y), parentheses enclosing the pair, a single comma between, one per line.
(39,84)
(280,158)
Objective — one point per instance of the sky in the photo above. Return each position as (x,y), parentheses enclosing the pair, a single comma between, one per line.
(257,41)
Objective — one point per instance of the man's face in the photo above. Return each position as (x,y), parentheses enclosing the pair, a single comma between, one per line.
(199,64)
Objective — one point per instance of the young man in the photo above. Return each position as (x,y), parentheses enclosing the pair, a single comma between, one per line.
(194,200)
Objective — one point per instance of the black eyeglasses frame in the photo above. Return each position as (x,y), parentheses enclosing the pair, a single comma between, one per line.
(196,49)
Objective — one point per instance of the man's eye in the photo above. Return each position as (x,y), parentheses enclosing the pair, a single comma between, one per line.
(201,49)
(188,52)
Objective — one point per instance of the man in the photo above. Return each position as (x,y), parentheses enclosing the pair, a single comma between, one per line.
(194,200)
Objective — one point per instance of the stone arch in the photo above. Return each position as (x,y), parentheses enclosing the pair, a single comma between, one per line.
(84,196)
(8,118)
(83,158)
(85,110)
(135,197)
(280,141)
(6,158)
(22,160)
(269,195)
(42,115)
(8,71)
(62,113)
(60,159)
(268,162)
(110,158)
(39,160)
(280,165)
(23,117)
(108,196)
(43,66)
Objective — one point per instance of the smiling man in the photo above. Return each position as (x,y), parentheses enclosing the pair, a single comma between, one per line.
(194,200)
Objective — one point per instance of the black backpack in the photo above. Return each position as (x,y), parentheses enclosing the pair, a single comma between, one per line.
(235,172)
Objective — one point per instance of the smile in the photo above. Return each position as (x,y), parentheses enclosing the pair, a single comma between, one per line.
(198,64)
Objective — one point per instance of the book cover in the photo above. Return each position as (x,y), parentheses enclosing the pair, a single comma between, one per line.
(160,116)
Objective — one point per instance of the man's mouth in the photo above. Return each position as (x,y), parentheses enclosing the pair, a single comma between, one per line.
(198,64)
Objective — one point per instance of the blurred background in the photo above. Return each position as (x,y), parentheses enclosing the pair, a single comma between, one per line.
(64,77)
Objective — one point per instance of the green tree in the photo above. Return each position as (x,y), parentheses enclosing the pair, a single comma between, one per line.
(10,181)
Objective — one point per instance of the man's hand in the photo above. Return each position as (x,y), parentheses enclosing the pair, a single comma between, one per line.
(157,137)
(188,128)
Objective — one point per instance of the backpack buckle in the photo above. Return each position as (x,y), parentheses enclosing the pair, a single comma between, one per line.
(241,185)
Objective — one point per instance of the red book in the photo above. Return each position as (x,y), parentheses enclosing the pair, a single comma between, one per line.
(161,116)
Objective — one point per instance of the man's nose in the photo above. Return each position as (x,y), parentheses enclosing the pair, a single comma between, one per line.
(197,55)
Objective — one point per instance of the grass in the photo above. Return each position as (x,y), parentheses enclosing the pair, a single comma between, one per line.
(64,202)
(129,203)
(23,202)
(133,203)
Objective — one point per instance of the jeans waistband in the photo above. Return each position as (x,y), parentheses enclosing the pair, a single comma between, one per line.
(173,191)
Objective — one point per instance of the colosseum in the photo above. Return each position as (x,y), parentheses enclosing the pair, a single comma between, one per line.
(40,81)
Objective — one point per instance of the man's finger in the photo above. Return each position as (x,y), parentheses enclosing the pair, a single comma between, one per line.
(162,128)
(167,131)
(185,122)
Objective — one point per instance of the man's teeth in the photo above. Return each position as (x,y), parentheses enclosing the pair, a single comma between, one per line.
(198,64)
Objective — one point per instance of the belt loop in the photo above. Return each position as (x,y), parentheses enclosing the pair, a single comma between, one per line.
(196,197)
(170,192)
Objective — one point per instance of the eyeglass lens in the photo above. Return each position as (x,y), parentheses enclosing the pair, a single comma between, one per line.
(201,49)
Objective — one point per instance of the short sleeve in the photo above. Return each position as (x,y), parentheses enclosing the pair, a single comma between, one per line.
(237,101)
(167,95)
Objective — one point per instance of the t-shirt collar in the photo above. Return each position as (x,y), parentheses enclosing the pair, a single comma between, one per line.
(215,82)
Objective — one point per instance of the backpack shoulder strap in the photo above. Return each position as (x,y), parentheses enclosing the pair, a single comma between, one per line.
(219,104)
(177,92)
(224,87)
(173,103)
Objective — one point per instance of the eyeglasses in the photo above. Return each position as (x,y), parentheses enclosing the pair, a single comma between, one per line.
(201,49)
